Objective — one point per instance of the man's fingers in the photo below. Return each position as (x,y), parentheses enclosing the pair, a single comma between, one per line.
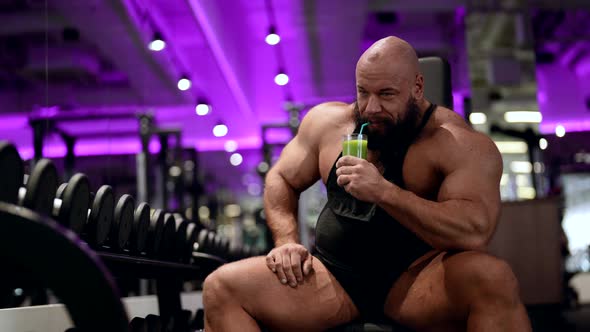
(308,265)
(343,161)
(288,270)
(270,262)
(296,266)
(280,271)
(342,180)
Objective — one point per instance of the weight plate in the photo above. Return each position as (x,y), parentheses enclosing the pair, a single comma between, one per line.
(75,202)
(60,190)
(154,324)
(41,187)
(168,245)
(210,243)
(141,225)
(181,250)
(192,232)
(155,233)
(202,240)
(11,172)
(138,324)
(123,222)
(224,247)
(101,216)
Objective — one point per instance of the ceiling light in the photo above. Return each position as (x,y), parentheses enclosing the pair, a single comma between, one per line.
(523,167)
(220,130)
(231,146)
(184,83)
(272,38)
(512,147)
(236,159)
(202,108)
(526,117)
(477,118)
(157,44)
(543,144)
(560,131)
(281,79)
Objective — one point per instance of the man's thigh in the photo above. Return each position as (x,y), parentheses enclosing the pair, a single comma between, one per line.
(436,290)
(316,304)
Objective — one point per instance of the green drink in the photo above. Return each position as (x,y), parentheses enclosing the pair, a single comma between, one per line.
(355,145)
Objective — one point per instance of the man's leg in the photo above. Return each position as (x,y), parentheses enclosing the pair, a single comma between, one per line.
(238,295)
(460,291)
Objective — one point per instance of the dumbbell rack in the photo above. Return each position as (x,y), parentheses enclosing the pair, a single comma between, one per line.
(169,276)
(84,277)
(54,242)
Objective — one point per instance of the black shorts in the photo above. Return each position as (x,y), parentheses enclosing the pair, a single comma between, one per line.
(368,290)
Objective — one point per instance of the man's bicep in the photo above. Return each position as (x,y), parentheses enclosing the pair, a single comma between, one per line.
(478,183)
(298,163)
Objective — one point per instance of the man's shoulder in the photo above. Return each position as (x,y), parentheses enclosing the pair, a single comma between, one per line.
(452,136)
(330,109)
(326,116)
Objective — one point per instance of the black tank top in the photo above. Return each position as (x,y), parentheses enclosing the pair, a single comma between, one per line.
(361,237)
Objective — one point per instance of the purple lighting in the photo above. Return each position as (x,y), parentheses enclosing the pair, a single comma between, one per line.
(214,144)
(458,106)
(13,121)
(92,148)
(570,126)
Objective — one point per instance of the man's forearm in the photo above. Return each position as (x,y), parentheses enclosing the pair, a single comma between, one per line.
(280,208)
(453,224)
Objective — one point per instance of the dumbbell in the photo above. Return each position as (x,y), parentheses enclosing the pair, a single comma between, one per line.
(70,208)
(155,234)
(186,237)
(140,228)
(199,320)
(11,172)
(94,221)
(101,216)
(168,244)
(122,225)
(221,246)
(39,188)
(154,323)
(138,324)
(182,320)
(206,241)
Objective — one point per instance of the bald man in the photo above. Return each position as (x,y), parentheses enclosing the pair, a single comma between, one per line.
(403,234)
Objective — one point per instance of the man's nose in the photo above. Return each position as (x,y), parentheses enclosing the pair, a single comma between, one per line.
(373,105)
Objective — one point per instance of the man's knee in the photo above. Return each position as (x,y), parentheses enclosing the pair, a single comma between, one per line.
(216,287)
(492,278)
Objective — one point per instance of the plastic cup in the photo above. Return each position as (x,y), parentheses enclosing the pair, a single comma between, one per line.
(355,145)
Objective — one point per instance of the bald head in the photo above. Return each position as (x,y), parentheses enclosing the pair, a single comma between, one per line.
(392,54)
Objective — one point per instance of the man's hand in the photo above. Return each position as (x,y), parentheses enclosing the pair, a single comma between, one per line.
(291,262)
(360,178)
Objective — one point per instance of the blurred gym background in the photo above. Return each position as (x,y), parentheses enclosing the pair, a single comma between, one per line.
(185,104)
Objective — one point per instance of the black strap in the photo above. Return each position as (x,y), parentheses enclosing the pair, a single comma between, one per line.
(426,117)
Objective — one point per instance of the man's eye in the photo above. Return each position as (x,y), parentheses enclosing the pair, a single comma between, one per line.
(386,94)
(362,92)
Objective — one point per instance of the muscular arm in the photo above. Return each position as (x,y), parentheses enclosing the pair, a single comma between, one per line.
(468,203)
(296,170)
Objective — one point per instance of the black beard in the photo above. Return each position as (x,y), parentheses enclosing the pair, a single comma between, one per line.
(396,135)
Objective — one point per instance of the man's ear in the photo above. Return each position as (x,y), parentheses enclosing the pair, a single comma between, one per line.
(418,88)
